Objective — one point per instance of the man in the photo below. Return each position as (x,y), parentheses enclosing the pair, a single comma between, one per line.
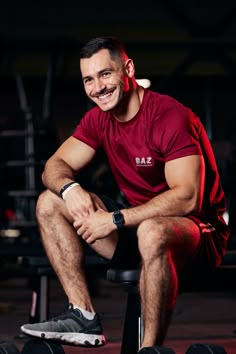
(161,158)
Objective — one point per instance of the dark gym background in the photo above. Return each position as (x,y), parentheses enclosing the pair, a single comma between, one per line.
(186,48)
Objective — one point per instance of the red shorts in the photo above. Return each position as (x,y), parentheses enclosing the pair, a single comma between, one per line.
(213,242)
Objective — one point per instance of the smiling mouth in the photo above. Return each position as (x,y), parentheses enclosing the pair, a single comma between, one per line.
(104,96)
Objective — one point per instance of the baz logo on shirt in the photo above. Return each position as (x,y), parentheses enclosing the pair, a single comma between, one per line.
(143,161)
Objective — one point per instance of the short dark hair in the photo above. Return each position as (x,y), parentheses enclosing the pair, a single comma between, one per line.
(112,44)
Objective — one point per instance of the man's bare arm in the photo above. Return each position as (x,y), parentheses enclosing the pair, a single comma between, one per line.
(62,167)
(185,177)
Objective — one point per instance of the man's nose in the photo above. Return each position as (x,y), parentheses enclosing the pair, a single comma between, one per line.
(99,85)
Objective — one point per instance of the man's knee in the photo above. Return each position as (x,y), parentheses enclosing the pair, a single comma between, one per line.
(151,235)
(47,204)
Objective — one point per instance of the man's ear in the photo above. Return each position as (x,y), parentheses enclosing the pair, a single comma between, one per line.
(129,67)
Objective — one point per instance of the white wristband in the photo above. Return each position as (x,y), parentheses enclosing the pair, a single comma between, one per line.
(68,189)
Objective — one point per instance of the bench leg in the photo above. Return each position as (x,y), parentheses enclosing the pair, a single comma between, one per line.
(133,325)
(40,299)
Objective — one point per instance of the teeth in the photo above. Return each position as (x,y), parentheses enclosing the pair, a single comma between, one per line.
(104,96)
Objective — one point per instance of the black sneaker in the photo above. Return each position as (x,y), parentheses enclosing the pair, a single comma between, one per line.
(70,327)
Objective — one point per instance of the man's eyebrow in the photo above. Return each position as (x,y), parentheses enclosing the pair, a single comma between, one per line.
(86,77)
(104,70)
(98,73)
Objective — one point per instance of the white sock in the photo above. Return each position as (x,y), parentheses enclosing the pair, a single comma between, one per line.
(89,315)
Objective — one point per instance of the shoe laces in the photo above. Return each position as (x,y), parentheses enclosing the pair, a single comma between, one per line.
(68,308)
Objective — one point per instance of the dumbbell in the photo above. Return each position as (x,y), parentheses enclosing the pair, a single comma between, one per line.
(40,346)
(8,348)
(156,350)
(34,346)
(198,348)
(205,348)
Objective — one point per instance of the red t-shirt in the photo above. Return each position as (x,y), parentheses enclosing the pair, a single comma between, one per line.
(137,150)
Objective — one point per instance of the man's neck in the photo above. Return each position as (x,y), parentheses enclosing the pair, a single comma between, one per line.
(129,106)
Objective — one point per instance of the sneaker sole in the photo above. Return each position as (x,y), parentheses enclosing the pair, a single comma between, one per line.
(82,339)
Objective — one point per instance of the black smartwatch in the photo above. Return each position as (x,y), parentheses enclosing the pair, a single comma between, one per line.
(118,219)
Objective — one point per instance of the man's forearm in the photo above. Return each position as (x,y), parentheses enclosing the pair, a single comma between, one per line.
(57,173)
(169,203)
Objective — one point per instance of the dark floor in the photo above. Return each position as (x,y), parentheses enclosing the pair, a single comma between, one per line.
(198,318)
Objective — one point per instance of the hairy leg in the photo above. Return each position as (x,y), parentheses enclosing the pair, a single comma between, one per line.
(64,248)
(165,244)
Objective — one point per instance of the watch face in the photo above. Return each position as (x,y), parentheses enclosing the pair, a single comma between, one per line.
(118,218)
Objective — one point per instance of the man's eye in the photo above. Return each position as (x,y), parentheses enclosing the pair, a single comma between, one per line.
(87,81)
(106,73)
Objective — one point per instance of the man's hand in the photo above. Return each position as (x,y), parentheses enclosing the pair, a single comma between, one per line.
(95,226)
(90,223)
(79,203)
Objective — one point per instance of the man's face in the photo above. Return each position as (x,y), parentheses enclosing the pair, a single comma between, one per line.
(104,79)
